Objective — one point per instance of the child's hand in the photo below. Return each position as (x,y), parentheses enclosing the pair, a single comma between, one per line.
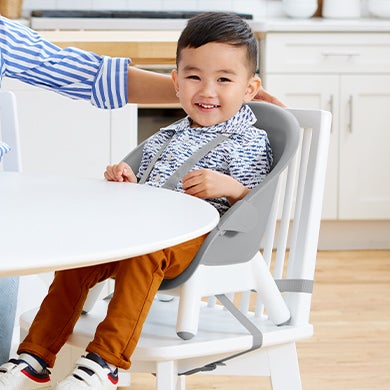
(120,172)
(205,183)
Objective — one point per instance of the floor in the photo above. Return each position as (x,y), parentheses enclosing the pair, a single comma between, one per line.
(351,317)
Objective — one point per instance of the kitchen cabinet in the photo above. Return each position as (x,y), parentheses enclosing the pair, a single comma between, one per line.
(348,74)
(70,137)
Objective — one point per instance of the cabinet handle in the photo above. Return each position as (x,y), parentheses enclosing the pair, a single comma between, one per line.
(340,53)
(350,106)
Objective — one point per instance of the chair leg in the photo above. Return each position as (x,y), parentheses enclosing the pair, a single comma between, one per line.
(93,296)
(277,309)
(166,376)
(188,313)
(181,382)
(284,367)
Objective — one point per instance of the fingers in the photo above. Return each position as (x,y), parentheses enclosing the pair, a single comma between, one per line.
(191,179)
(120,172)
(200,183)
(205,183)
(129,175)
(266,96)
(197,182)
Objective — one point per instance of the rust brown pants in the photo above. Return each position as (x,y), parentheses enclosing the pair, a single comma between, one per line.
(136,283)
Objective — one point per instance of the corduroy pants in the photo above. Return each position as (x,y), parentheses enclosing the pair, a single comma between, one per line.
(136,283)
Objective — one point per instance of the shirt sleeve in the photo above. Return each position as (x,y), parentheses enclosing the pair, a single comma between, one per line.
(4,148)
(78,74)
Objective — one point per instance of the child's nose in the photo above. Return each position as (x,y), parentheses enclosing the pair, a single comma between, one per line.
(208,89)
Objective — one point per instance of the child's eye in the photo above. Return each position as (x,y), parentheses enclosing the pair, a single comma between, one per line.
(193,77)
(224,80)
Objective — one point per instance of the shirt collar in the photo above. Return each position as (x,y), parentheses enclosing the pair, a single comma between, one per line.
(237,124)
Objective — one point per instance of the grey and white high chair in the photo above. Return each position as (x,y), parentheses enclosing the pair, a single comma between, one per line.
(237,258)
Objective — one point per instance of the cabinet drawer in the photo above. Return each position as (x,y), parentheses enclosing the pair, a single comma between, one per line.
(327,53)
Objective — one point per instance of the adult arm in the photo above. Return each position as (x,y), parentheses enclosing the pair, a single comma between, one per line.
(152,87)
(107,82)
(25,55)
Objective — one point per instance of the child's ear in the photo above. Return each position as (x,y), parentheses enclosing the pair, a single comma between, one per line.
(253,87)
(175,80)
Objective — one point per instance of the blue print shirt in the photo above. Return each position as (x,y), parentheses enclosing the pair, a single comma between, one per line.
(246,155)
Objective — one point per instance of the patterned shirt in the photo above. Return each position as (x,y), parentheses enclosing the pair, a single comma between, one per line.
(246,155)
(72,72)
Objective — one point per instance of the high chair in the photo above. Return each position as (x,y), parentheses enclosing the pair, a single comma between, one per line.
(281,213)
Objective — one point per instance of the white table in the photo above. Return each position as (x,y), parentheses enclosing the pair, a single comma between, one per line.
(51,222)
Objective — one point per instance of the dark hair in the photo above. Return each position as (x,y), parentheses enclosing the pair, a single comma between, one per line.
(220,27)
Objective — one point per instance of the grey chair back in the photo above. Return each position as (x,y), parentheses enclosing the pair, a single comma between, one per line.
(237,237)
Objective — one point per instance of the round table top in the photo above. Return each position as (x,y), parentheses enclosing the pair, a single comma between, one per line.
(50,222)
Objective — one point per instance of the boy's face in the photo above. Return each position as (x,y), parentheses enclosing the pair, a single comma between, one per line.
(213,81)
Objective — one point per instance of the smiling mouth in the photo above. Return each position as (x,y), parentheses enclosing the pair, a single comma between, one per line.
(207,106)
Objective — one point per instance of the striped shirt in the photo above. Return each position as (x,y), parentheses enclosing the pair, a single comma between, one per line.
(4,148)
(246,155)
(72,72)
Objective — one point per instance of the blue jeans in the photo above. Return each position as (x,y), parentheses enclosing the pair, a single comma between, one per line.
(8,301)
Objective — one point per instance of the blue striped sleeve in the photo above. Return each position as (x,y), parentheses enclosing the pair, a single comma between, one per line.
(72,72)
(4,148)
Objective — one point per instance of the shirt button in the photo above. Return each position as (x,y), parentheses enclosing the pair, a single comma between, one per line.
(158,177)
(186,138)
(169,156)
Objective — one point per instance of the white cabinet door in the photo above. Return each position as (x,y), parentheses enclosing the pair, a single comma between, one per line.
(64,136)
(314,91)
(349,75)
(364,147)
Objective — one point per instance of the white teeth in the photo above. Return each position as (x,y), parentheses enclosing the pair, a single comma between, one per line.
(207,105)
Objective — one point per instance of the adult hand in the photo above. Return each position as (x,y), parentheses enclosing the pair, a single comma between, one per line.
(267,97)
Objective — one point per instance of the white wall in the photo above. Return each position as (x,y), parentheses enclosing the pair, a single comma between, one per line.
(259,8)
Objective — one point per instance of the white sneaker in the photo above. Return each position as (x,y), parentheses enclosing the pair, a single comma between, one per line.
(24,375)
(91,372)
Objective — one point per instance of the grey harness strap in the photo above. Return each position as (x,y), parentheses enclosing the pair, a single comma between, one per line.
(187,165)
(291,285)
(246,322)
(153,161)
(295,285)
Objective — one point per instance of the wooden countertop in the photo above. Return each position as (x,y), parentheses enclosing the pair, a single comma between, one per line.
(143,47)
